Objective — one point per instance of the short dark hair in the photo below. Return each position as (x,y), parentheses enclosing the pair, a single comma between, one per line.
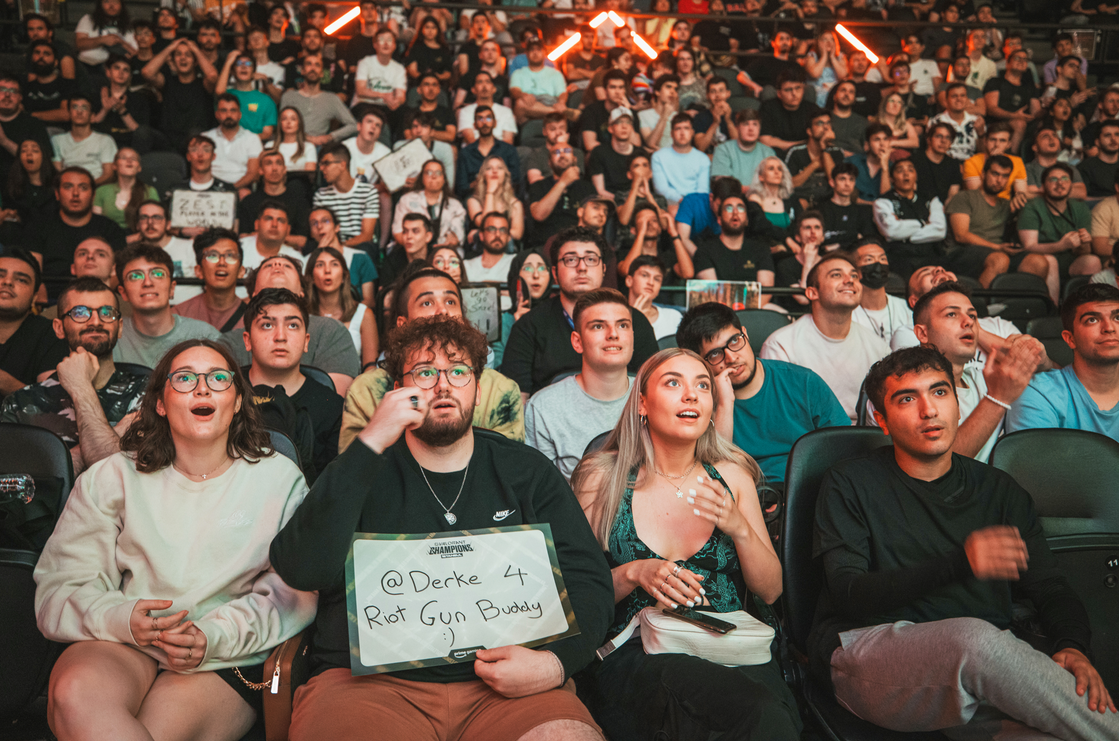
(939,125)
(143,251)
(723,187)
(876,128)
(646,261)
(899,162)
(411,217)
(664,80)
(594,298)
(999,127)
(86,284)
(1086,294)
(921,308)
(802,217)
(439,332)
(813,279)
(682,118)
(266,297)
(228,98)
(494,215)
(1062,37)
(336,149)
(788,75)
(954,85)
(897,364)
(212,236)
(614,74)
(273,204)
(577,234)
(25,256)
(844,168)
(407,278)
(211,24)
(1063,167)
(1000,160)
(701,323)
(361,110)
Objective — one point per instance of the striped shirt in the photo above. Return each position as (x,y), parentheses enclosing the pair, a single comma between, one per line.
(361,202)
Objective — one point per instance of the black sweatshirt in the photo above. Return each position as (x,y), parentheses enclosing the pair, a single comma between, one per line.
(539,346)
(893,549)
(366,492)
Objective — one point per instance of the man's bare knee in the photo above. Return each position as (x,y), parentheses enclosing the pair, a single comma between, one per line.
(1035,265)
(563,730)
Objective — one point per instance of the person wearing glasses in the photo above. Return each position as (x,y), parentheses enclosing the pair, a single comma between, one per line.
(764,406)
(239,78)
(539,346)
(86,399)
(492,266)
(220,263)
(356,203)
(431,196)
(153,227)
(157,572)
(146,283)
(731,255)
(420,465)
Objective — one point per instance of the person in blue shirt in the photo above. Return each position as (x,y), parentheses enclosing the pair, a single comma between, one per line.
(1084,395)
(873,180)
(765,406)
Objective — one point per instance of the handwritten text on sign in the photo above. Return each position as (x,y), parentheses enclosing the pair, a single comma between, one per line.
(190,209)
(428,600)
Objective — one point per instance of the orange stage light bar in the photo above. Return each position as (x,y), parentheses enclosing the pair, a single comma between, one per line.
(349,16)
(617,19)
(599,19)
(644,45)
(856,43)
(563,48)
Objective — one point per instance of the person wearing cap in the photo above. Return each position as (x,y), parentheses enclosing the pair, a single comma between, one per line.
(594,123)
(608,166)
(553,201)
(681,169)
(537,90)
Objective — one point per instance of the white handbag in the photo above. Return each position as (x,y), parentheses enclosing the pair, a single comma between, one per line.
(747,645)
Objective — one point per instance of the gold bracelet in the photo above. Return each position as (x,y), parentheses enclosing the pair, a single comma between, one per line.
(251,685)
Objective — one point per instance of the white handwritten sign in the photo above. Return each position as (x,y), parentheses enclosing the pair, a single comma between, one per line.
(404,163)
(480,306)
(190,209)
(431,600)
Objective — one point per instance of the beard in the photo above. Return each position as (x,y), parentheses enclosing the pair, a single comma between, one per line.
(743,384)
(443,432)
(12,313)
(92,342)
(41,70)
(734,231)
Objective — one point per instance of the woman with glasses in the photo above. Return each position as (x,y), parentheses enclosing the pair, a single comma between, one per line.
(30,193)
(493,191)
(331,295)
(675,508)
(772,189)
(447,260)
(120,200)
(299,154)
(529,283)
(157,572)
(325,232)
(431,196)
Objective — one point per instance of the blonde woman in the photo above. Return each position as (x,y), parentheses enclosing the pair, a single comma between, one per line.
(772,189)
(493,191)
(891,112)
(825,65)
(675,508)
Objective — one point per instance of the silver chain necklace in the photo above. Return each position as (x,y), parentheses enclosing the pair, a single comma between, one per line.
(448,515)
(679,491)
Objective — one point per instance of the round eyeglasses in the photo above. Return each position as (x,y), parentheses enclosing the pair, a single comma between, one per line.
(132,276)
(427,377)
(186,381)
(82,314)
(736,343)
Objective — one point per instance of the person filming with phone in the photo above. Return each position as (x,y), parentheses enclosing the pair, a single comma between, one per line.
(664,471)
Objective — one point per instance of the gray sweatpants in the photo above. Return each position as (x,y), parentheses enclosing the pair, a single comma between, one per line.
(944,674)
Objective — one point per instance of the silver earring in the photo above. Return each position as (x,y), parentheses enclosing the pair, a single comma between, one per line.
(644,420)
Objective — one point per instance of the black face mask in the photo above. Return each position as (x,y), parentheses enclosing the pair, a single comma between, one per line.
(875,275)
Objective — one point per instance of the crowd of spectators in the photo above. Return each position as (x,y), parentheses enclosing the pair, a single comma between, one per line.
(757,146)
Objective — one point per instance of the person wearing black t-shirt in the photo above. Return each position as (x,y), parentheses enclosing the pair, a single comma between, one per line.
(938,175)
(428,54)
(785,119)
(280,47)
(594,124)
(188,88)
(16,124)
(811,163)
(844,220)
(429,88)
(276,336)
(29,348)
(608,165)
(554,201)
(46,90)
(764,71)
(419,466)
(730,255)
(1013,97)
(924,552)
(867,94)
(1100,172)
(274,185)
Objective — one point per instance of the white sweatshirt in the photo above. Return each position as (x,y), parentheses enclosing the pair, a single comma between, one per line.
(126,536)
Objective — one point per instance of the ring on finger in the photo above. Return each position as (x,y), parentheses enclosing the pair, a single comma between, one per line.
(676,570)
(190,653)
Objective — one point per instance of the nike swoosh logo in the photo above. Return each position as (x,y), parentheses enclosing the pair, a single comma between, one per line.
(499,516)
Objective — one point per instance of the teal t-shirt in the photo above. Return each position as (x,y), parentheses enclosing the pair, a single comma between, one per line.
(1057,398)
(792,401)
(362,270)
(257,109)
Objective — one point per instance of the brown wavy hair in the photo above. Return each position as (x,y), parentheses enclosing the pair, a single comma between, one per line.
(149,438)
(439,332)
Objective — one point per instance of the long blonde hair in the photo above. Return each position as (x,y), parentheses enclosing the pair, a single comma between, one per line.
(900,121)
(784,190)
(504,194)
(630,446)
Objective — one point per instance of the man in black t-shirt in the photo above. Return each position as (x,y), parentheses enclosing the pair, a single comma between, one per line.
(276,335)
(29,348)
(811,163)
(16,124)
(46,91)
(1014,97)
(274,185)
(764,71)
(844,220)
(608,165)
(923,551)
(731,255)
(554,201)
(938,175)
(594,124)
(428,90)
(187,87)
(1100,172)
(785,119)
(867,94)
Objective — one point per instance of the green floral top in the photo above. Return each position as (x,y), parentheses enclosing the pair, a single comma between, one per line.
(716,561)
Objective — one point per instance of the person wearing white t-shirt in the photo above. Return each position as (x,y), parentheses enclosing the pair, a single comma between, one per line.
(272,229)
(646,275)
(152,227)
(946,319)
(505,123)
(923,73)
(827,341)
(81,146)
(379,78)
(878,311)
(236,149)
(94,40)
(365,146)
(492,266)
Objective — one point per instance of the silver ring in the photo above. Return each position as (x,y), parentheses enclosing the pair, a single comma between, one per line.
(190,653)
(415,402)
(676,570)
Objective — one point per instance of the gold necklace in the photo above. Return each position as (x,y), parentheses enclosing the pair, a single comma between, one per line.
(680,478)
(203,475)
